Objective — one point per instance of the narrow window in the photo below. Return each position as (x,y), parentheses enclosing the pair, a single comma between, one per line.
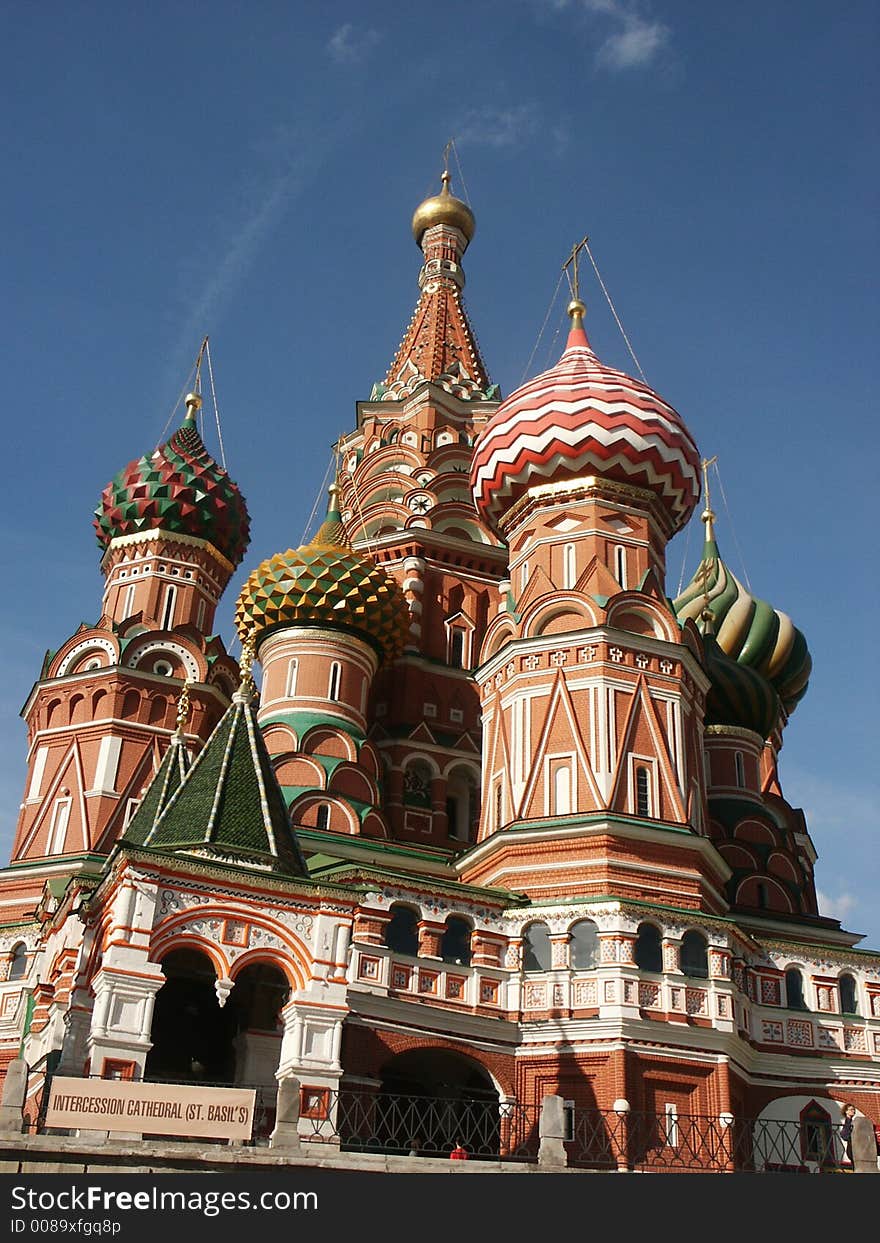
(456,648)
(455,944)
(168,611)
(322,820)
(762,895)
(693,957)
(794,989)
(200,616)
(671,1120)
(128,606)
(848,1000)
(18,962)
(643,791)
(707,768)
(292,670)
(58,831)
(537,951)
(561,790)
(620,566)
(740,769)
(402,931)
(335,680)
(499,801)
(524,580)
(648,949)
(570,565)
(583,949)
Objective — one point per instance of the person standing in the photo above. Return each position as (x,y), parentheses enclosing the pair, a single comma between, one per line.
(849,1112)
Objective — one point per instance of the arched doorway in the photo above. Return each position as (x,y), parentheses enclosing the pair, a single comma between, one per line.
(192,1034)
(427,1101)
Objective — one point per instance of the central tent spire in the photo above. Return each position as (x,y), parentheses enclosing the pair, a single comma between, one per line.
(439,345)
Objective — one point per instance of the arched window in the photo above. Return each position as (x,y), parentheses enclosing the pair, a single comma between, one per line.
(18,962)
(740,769)
(455,944)
(620,566)
(322,820)
(846,987)
(643,791)
(292,671)
(583,948)
(335,681)
(561,790)
(693,958)
(128,605)
(499,805)
(794,989)
(461,801)
(537,954)
(168,611)
(569,562)
(648,952)
(524,576)
(402,931)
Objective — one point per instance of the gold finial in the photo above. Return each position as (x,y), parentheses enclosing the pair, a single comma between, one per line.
(246,662)
(707,617)
(708,515)
(183,708)
(193,404)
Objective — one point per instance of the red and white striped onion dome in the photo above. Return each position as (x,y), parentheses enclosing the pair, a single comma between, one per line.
(583,418)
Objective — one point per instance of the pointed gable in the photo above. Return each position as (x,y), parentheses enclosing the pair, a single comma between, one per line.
(560,733)
(642,723)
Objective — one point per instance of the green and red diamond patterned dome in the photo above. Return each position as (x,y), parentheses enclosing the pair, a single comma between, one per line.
(178,488)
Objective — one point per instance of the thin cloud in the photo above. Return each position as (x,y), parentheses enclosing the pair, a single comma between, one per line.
(350,46)
(636,38)
(497,127)
(839,907)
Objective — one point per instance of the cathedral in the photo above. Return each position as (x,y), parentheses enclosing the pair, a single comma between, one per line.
(480,816)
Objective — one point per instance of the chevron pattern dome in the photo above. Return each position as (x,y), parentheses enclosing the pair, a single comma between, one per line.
(583,418)
(325,585)
(179,488)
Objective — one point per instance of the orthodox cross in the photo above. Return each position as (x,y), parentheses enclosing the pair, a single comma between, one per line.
(572,262)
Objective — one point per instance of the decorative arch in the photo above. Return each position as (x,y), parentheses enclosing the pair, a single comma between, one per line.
(304,811)
(637,614)
(502,630)
(299,770)
(280,739)
(349,781)
(333,743)
(142,654)
(562,611)
(748,894)
(172,933)
(79,652)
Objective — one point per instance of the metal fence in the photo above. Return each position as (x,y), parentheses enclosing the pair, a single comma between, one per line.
(372,1120)
(361,1120)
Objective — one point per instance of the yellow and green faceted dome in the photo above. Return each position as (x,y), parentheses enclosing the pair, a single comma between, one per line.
(178,488)
(738,695)
(747,629)
(325,584)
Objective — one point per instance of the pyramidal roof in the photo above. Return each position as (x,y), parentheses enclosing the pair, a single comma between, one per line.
(439,345)
(228,806)
(171,772)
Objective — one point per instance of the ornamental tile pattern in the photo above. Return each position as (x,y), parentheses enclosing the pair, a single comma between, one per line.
(583,418)
(177,488)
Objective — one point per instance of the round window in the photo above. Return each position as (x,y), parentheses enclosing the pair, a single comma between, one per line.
(163,668)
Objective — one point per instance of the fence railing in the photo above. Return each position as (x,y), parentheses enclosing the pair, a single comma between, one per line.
(372,1120)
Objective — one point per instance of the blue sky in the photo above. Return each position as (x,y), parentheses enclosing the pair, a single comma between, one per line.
(249,171)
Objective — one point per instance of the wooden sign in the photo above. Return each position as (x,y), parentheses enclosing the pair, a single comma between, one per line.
(151,1108)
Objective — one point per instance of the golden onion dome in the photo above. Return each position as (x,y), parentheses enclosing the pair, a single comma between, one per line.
(443,208)
(325,584)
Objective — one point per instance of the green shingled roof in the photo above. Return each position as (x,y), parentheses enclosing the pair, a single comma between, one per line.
(170,774)
(229,803)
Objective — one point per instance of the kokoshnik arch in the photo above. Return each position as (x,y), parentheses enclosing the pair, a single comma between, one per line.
(502,813)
